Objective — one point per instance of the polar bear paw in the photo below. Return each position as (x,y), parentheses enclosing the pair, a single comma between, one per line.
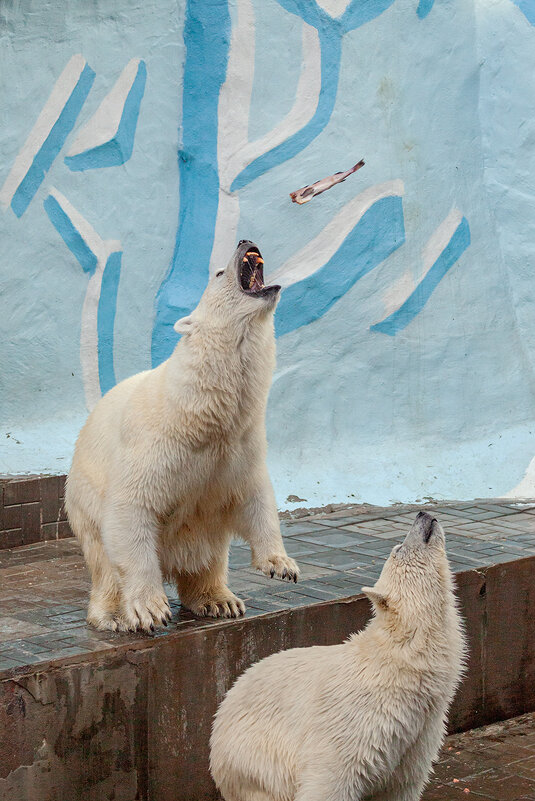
(103,619)
(278,565)
(225,605)
(145,609)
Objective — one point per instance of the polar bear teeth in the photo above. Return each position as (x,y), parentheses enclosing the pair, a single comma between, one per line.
(252,277)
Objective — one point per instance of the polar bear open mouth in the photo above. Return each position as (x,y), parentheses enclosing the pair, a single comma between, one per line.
(251,275)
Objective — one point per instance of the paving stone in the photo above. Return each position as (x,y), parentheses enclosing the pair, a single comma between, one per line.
(44,586)
(298,547)
(333,539)
(388,533)
(334,558)
(495,762)
(338,522)
(294,529)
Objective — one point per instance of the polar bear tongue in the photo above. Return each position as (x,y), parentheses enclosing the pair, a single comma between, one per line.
(252,273)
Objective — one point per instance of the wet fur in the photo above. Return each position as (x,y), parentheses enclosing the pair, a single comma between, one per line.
(360,720)
(170,465)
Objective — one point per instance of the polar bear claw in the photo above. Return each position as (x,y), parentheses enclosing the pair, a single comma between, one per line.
(279,565)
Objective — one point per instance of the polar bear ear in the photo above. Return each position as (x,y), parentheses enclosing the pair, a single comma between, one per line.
(184,325)
(379,600)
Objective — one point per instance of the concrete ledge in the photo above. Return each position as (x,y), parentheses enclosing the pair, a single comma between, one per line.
(134,722)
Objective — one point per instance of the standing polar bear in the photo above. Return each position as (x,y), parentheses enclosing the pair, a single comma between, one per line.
(170,465)
(361,720)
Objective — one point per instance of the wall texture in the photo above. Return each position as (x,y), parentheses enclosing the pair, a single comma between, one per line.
(140,141)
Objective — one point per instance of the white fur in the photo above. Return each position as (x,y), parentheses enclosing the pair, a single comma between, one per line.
(360,720)
(171,464)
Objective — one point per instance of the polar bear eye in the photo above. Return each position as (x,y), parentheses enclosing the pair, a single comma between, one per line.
(220,273)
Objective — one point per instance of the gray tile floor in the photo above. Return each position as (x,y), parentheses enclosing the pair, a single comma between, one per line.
(494,763)
(44,586)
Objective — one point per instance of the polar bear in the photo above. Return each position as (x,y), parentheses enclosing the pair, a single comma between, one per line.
(170,464)
(360,720)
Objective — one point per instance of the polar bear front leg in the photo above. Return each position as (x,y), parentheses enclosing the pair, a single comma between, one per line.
(257,522)
(130,536)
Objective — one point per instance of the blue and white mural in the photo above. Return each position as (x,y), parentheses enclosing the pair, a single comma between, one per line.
(149,138)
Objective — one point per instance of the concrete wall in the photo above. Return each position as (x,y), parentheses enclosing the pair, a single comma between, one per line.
(134,722)
(139,141)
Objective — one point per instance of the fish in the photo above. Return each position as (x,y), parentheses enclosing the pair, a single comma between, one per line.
(308,192)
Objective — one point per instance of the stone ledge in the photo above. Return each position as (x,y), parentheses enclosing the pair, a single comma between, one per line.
(133,720)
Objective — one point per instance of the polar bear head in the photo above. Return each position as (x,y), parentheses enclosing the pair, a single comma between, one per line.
(235,293)
(415,588)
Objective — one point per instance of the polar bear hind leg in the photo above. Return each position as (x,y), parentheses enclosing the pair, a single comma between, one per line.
(205,593)
(105,598)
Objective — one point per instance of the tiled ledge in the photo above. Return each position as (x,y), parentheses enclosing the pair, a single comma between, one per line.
(44,586)
(129,716)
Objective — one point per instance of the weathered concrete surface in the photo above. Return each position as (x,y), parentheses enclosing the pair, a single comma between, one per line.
(135,723)
(397,379)
(494,763)
(74,733)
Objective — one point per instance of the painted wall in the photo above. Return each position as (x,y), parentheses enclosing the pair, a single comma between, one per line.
(140,141)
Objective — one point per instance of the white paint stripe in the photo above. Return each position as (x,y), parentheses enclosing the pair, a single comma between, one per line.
(226,226)
(103,125)
(398,293)
(334,8)
(234,151)
(318,252)
(94,242)
(45,122)
(233,124)
(89,338)
(439,240)
(89,323)
(302,111)
(235,94)
(526,487)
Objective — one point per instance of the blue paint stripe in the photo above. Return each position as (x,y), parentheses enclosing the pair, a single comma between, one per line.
(107,306)
(206,36)
(527,7)
(70,235)
(359,12)
(424,7)
(53,143)
(118,149)
(378,233)
(399,319)
(207,39)
(308,11)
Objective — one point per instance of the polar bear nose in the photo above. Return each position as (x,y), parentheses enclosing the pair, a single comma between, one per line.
(426,522)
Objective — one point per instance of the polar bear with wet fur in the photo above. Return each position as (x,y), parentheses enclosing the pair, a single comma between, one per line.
(360,720)
(171,464)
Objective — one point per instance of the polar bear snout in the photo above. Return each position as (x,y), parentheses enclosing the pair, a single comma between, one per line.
(426,523)
(425,526)
(424,533)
